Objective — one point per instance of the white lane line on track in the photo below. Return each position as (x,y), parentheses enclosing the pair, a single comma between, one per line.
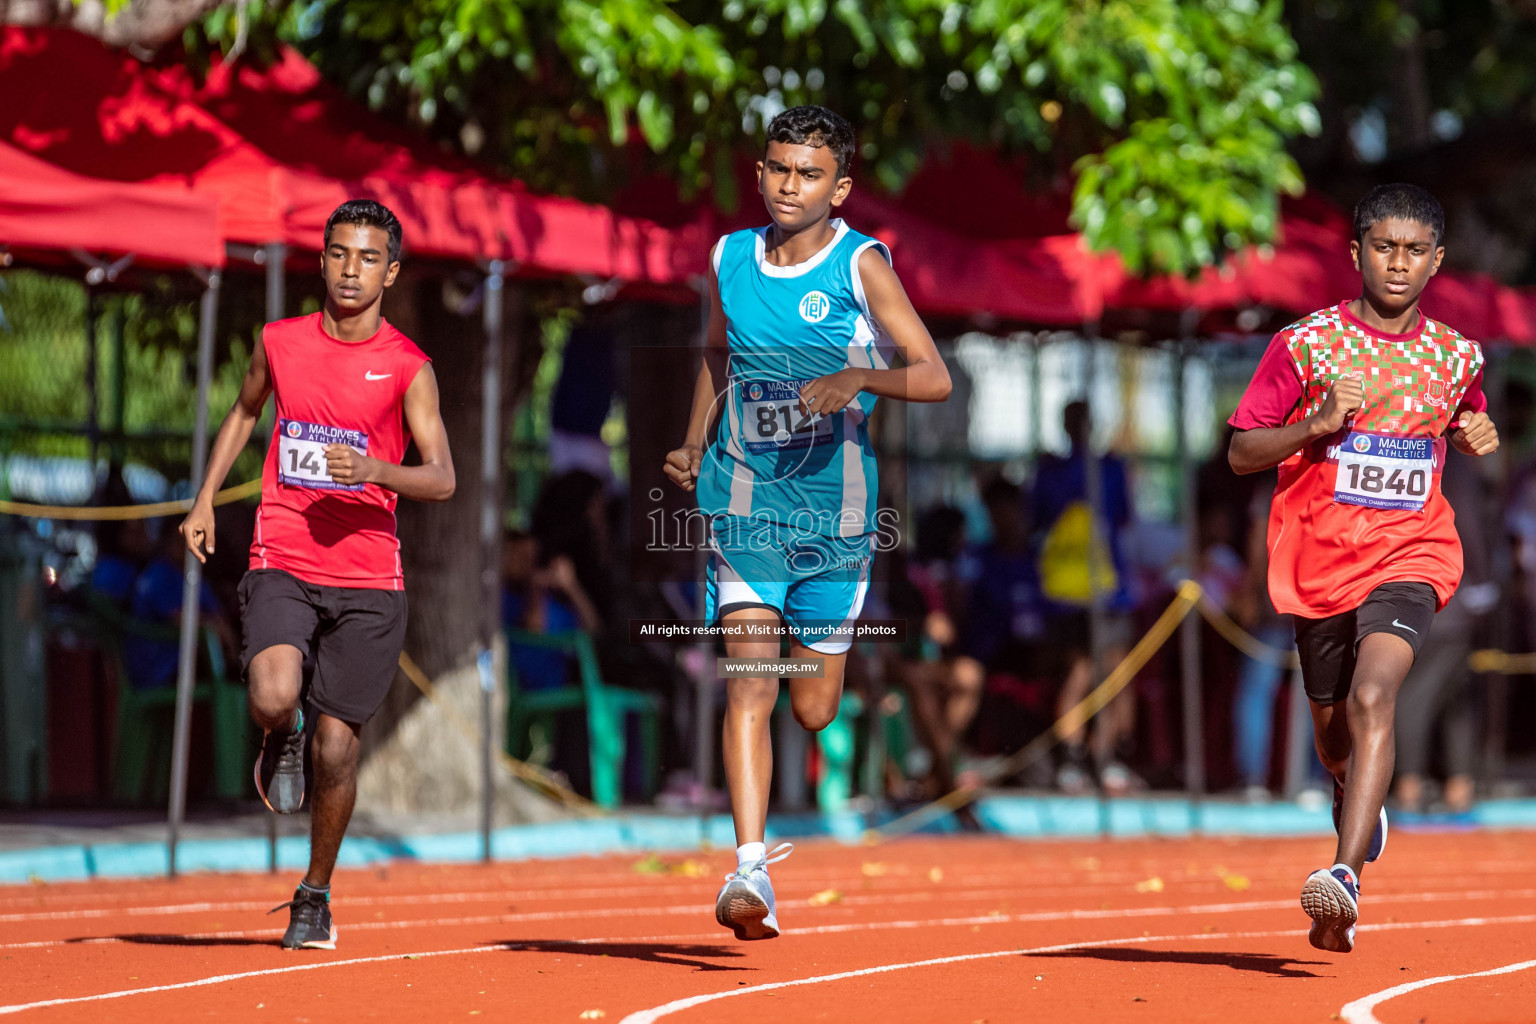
(873,895)
(824,929)
(864,898)
(655,1013)
(1039,916)
(897,874)
(221,978)
(544,895)
(1361,1011)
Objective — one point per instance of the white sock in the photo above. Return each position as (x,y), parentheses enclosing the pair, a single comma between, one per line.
(750,853)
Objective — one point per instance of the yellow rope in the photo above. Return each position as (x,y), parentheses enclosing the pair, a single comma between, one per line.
(122,512)
(1188,597)
(1503,663)
(1494,661)
(1245,641)
(543,781)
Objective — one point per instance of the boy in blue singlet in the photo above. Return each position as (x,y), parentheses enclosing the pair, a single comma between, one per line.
(804,315)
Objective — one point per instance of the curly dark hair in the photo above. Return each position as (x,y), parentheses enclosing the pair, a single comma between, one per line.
(811,125)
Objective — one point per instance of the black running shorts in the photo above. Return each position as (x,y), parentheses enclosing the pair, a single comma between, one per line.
(354,634)
(1328,646)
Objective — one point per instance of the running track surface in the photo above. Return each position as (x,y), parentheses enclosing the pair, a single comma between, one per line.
(921,930)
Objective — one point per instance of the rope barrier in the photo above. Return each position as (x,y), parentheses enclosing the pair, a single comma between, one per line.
(1188,597)
(1487,660)
(1245,641)
(118,513)
(1503,663)
(539,779)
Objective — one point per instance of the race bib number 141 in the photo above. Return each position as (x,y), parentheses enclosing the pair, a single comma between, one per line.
(1385,472)
(301,453)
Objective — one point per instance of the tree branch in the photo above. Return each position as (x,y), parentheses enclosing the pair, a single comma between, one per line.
(141,24)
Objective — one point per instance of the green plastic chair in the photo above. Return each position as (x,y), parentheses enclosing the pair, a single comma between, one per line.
(145,718)
(606,707)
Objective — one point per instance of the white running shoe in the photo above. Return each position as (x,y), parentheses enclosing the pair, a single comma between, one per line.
(745,903)
(1331,899)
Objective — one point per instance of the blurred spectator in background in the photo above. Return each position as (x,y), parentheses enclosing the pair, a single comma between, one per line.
(583,394)
(1258,681)
(121,550)
(1005,628)
(155,597)
(1082,560)
(542,596)
(570,521)
(944,684)
(1438,690)
(122,546)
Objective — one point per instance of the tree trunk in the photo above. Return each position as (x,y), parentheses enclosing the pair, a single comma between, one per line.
(416,757)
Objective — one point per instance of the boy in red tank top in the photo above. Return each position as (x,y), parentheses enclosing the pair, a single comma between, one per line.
(324,581)
(1354,404)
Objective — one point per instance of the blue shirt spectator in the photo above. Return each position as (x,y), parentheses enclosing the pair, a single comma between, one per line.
(156,597)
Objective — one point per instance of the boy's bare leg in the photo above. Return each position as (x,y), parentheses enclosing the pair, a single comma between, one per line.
(334,752)
(1382,664)
(745,737)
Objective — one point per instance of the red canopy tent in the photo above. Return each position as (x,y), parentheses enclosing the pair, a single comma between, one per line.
(278,149)
(971,237)
(45,209)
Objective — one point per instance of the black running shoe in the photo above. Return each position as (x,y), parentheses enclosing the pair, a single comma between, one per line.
(309,920)
(280,770)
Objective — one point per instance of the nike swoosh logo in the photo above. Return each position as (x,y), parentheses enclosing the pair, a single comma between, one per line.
(1410,629)
(370,375)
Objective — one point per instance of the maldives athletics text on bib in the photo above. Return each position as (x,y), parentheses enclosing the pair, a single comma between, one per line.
(1383,471)
(301,453)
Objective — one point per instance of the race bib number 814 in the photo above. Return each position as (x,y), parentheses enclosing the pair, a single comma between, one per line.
(1385,472)
(301,453)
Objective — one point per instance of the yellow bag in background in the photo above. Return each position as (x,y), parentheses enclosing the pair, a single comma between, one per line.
(1075,562)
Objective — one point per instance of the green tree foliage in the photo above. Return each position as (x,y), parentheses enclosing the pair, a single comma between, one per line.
(1439,93)
(1429,68)
(1173,116)
(44,346)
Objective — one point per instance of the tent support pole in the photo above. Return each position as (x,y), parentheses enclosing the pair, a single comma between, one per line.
(119,450)
(490,539)
(1093,492)
(92,388)
(193,576)
(1189,631)
(275,255)
(705,685)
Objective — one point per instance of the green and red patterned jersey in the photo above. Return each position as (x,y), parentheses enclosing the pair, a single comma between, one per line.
(1362,507)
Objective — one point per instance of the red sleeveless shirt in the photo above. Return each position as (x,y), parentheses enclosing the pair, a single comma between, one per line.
(332,392)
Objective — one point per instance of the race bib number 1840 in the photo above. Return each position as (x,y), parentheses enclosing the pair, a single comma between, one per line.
(301,453)
(1385,472)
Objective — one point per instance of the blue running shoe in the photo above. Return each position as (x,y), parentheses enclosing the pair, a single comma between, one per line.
(1378,837)
(1331,899)
(745,903)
